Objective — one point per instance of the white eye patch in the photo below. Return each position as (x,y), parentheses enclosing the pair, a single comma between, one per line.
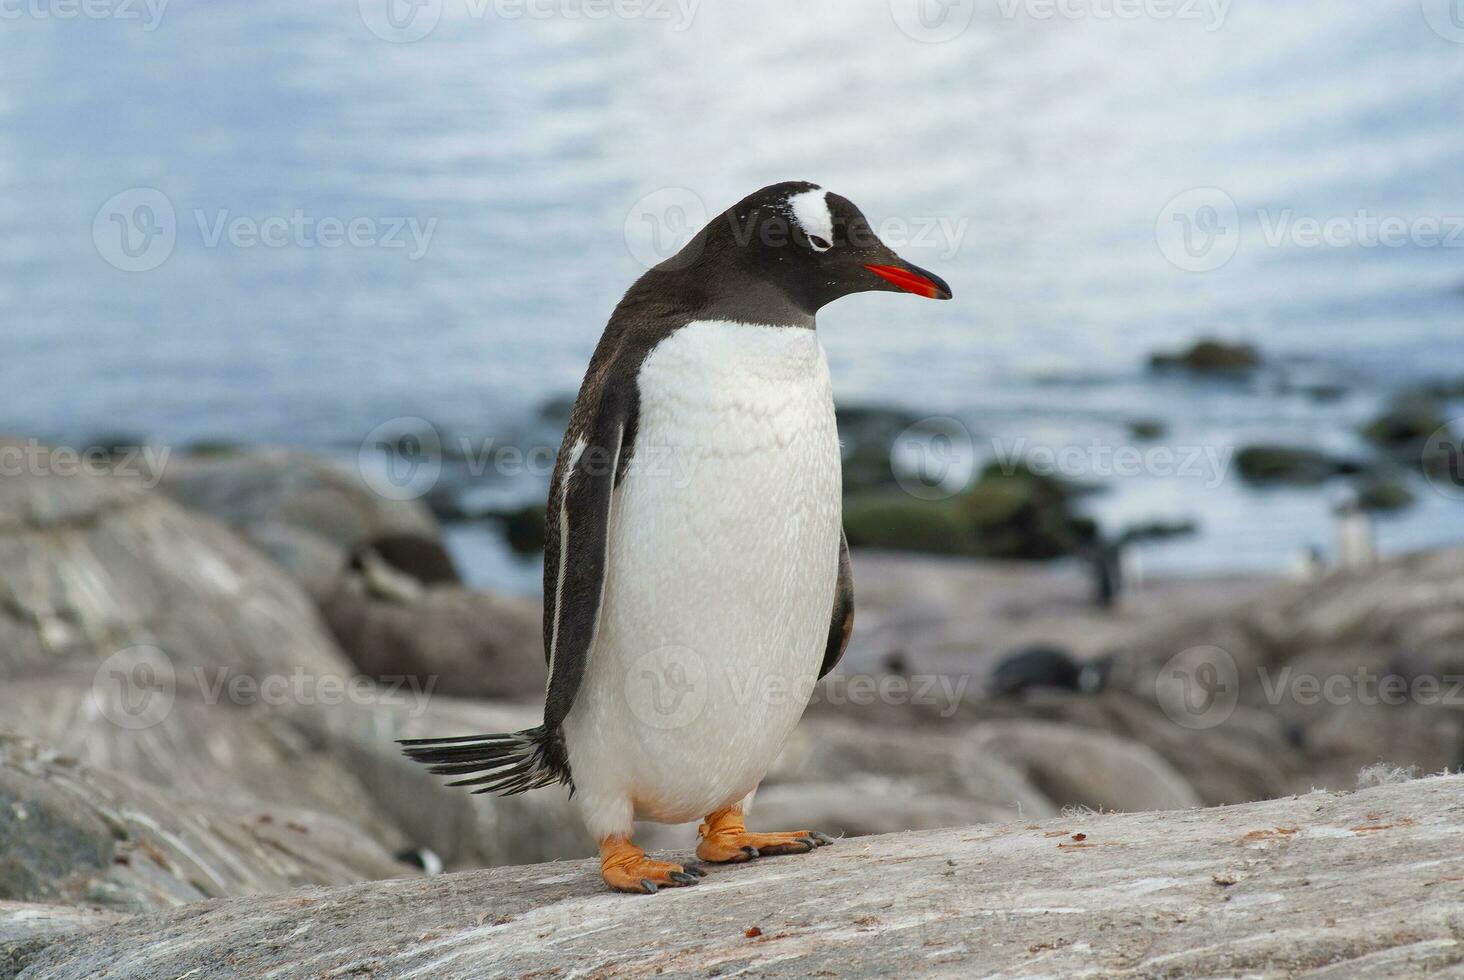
(811,211)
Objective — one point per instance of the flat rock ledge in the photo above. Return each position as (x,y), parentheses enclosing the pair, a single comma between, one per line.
(1327,884)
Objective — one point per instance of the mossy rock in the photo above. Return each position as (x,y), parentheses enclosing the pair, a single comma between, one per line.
(1209,356)
(1385,496)
(868,434)
(1406,425)
(896,521)
(1014,512)
(867,467)
(1271,464)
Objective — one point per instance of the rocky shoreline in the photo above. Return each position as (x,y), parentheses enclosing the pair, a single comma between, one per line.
(203,682)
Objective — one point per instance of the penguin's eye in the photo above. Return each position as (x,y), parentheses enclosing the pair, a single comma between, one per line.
(820,244)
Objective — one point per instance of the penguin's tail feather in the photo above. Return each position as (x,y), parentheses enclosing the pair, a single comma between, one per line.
(504,764)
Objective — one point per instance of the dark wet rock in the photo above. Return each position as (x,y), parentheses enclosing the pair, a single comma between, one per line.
(556,410)
(1010,512)
(213,448)
(1156,531)
(72,834)
(867,435)
(306,513)
(894,520)
(1404,428)
(1037,667)
(523,527)
(424,560)
(1017,513)
(1385,495)
(464,642)
(1274,464)
(1442,389)
(1210,356)
(1146,430)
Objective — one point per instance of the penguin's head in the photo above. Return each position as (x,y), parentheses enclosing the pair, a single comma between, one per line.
(812,245)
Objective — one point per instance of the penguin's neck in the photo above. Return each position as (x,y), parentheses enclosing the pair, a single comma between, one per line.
(752,299)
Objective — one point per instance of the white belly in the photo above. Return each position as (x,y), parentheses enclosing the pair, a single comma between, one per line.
(722,568)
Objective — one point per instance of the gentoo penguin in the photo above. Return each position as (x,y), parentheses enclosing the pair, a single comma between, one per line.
(696,575)
(1356,542)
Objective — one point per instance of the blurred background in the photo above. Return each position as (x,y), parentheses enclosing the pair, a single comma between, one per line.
(305,291)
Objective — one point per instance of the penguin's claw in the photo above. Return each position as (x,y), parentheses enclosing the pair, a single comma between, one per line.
(626,868)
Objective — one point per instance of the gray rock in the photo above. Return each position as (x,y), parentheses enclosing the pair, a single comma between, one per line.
(194,745)
(1317,885)
(72,834)
(466,642)
(92,565)
(1082,767)
(307,513)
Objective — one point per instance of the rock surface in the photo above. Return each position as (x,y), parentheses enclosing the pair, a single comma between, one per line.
(466,642)
(1325,885)
(91,565)
(308,514)
(75,835)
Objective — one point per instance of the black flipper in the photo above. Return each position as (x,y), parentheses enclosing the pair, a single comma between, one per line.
(591,460)
(841,623)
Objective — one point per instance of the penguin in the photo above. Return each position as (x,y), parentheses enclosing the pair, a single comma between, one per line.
(696,577)
(1356,541)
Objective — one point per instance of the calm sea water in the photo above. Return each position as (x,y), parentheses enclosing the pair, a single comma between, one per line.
(440,227)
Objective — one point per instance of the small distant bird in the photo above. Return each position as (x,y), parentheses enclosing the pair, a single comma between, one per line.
(696,575)
(423,858)
(1356,542)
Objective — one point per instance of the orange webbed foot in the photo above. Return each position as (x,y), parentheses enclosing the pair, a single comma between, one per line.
(626,868)
(724,838)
